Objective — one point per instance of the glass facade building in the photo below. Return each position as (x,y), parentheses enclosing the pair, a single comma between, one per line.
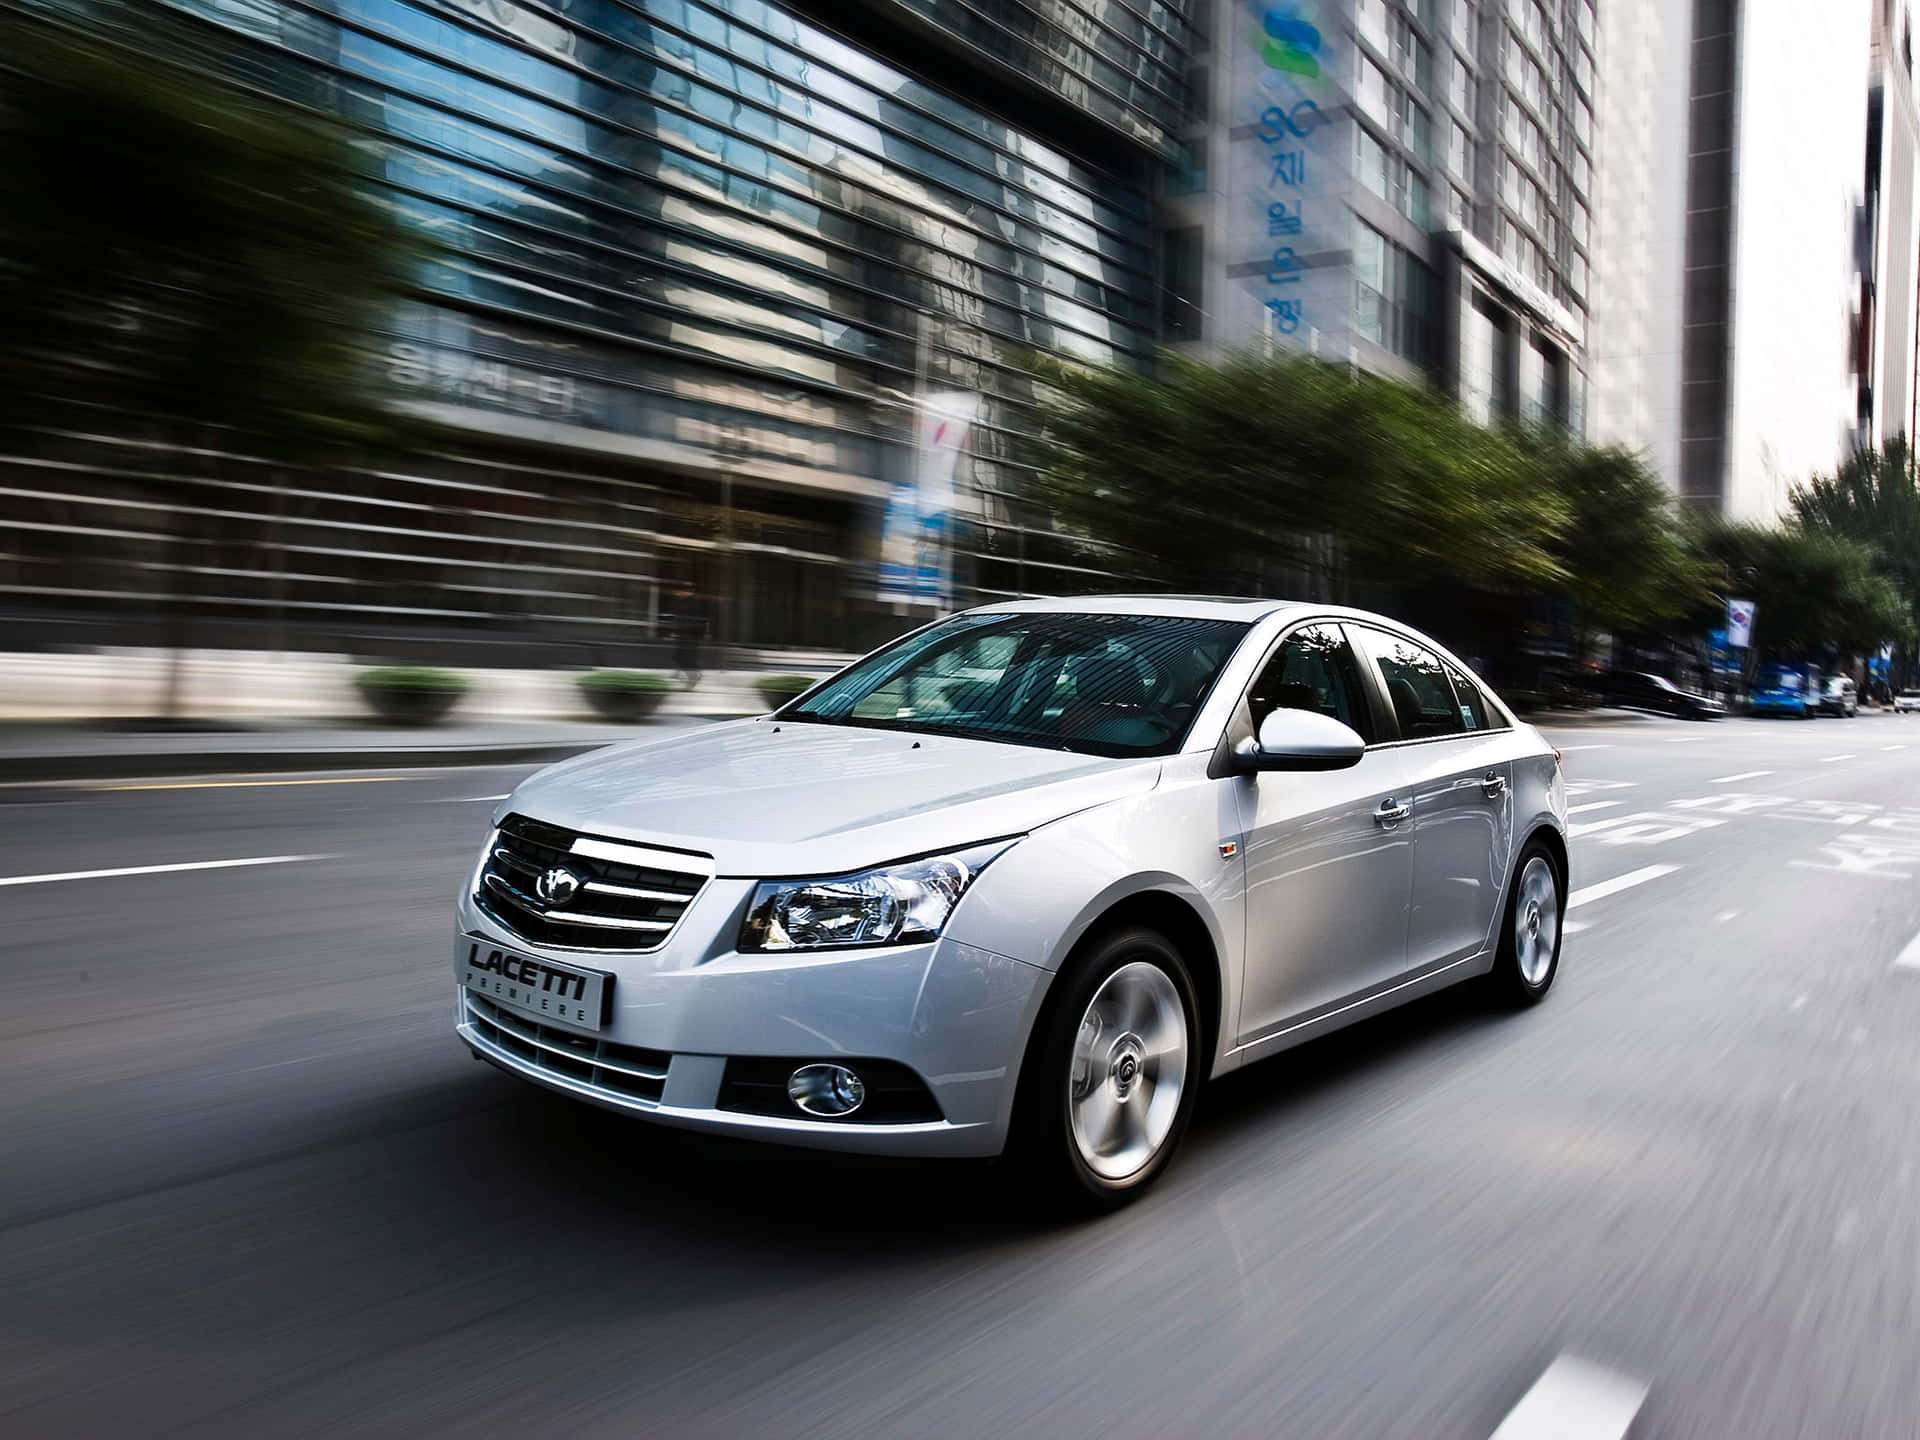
(1405,185)
(694,260)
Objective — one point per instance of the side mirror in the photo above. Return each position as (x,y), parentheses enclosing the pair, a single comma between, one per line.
(1300,740)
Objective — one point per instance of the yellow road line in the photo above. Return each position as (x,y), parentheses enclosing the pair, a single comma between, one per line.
(252,784)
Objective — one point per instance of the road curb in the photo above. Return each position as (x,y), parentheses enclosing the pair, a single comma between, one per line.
(29,769)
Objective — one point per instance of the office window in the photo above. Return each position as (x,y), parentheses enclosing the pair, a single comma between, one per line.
(1582,121)
(1182,255)
(1415,202)
(1533,207)
(1416,129)
(1543,372)
(1583,19)
(1423,12)
(1583,67)
(1413,55)
(1581,175)
(1373,94)
(1486,349)
(1373,163)
(1462,27)
(1370,19)
(1197,98)
(1459,209)
(1392,296)
(1459,152)
(1462,89)
(1581,221)
(1187,175)
(1577,275)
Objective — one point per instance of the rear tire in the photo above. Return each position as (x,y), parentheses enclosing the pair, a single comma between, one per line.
(1111,1073)
(1530,932)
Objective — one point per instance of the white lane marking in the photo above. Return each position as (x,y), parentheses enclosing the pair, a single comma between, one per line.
(1743,775)
(1574,927)
(1595,805)
(1683,739)
(1593,827)
(1574,1399)
(156,869)
(1909,958)
(1893,747)
(465,799)
(1829,759)
(1569,749)
(1614,886)
(1799,1003)
(1724,916)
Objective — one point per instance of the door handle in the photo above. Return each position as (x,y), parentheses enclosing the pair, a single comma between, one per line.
(1494,786)
(1392,812)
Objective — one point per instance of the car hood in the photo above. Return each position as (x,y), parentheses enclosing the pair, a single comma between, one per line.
(772,797)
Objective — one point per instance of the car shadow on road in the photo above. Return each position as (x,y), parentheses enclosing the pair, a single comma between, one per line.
(851,1208)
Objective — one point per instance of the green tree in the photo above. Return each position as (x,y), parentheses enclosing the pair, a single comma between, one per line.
(1811,591)
(1221,475)
(1874,500)
(173,250)
(196,266)
(1624,552)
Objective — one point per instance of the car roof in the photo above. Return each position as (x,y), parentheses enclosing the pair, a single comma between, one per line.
(1209,607)
(1246,608)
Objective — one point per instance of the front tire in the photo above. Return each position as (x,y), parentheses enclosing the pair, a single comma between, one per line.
(1529,955)
(1112,1072)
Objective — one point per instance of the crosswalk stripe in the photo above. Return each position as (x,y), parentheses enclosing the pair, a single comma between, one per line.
(1604,888)
(1574,1399)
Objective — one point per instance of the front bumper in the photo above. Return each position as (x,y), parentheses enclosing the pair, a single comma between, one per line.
(956,1015)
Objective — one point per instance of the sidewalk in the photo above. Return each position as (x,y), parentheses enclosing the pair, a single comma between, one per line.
(86,715)
(38,754)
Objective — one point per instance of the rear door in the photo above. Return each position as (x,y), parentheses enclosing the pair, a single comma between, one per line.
(1458,750)
(1329,855)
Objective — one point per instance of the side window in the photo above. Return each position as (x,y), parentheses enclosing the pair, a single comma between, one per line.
(1473,704)
(1417,685)
(1314,669)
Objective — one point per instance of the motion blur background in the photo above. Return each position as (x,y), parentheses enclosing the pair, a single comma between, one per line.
(513,336)
(546,368)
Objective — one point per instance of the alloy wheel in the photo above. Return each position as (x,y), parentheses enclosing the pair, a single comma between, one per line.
(1129,1070)
(1536,920)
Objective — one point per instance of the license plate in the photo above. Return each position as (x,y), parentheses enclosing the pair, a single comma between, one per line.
(539,989)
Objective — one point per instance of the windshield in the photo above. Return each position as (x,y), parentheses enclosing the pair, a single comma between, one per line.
(1118,685)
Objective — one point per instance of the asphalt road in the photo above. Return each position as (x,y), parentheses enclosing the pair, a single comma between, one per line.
(251,1185)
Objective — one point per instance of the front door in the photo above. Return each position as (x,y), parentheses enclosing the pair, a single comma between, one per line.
(1329,855)
(1461,773)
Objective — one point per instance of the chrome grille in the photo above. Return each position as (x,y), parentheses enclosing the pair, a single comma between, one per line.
(629,1071)
(629,897)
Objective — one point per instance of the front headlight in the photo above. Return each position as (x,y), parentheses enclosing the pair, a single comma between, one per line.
(892,905)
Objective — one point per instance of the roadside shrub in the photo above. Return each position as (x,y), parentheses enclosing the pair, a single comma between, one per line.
(625,695)
(410,694)
(777,690)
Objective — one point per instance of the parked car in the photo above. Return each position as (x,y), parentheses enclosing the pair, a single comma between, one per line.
(1839,696)
(1638,690)
(1020,881)
(1905,701)
(1786,690)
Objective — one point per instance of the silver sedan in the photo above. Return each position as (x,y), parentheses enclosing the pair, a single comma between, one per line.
(1020,881)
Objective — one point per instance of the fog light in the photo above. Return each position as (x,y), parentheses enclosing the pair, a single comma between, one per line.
(831,1090)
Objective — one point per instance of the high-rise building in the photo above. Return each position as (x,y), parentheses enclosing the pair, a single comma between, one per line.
(1404,184)
(1734,334)
(1886,356)
(698,260)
